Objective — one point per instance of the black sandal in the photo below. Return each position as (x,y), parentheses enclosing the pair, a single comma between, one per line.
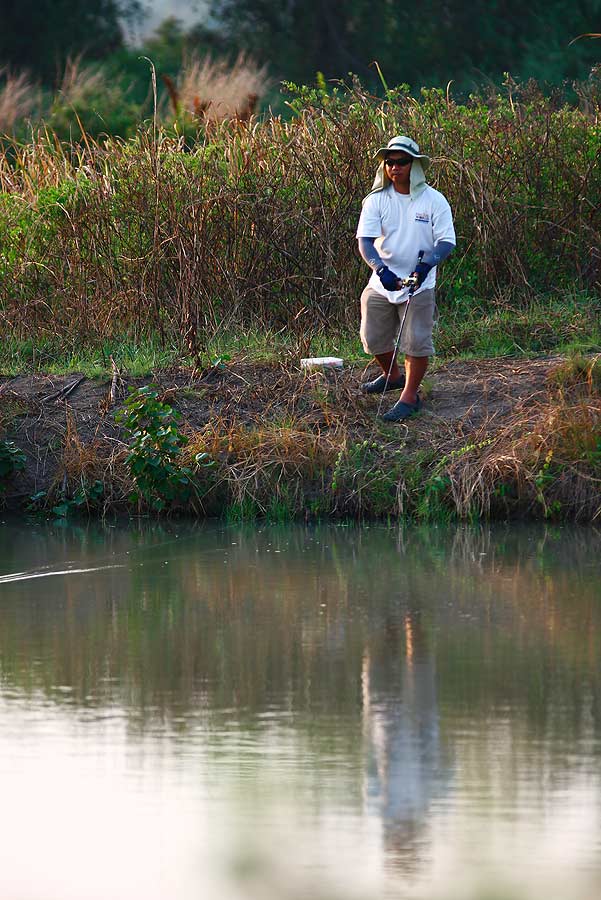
(401,411)
(379,386)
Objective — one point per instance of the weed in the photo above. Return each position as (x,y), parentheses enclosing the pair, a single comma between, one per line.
(87,496)
(543,480)
(579,371)
(280,509)
(435,499)
(245,510)
(36,502)
(156,445)
(434,503)
(12,460)
(368,478)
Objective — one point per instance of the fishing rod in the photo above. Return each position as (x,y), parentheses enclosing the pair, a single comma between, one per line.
(412,283)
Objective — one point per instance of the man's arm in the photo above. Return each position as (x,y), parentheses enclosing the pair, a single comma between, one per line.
(440,252)
(373,260)
(369,253)
(390,281)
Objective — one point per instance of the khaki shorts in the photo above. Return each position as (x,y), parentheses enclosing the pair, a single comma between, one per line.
(380,322)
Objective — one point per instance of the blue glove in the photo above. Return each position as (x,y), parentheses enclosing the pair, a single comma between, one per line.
(389,280)
(421,270)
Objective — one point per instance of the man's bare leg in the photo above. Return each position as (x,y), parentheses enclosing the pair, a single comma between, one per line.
(387,360)
(415,369)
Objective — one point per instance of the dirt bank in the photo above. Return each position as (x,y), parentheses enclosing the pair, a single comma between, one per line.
(65,425)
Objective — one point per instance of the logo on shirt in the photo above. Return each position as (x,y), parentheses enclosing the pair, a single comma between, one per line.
(422,217)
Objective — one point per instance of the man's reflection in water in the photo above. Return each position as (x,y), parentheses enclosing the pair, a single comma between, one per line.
(406,766)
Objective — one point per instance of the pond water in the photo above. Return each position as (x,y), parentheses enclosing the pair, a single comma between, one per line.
(286,712)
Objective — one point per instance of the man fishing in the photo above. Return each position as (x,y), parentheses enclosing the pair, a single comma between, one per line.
(405,230)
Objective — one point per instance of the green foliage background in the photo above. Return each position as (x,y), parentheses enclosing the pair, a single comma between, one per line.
(235,226)
(424,45)
(175,231)
(471,44)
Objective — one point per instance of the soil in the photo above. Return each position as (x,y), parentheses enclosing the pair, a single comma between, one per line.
(39,412)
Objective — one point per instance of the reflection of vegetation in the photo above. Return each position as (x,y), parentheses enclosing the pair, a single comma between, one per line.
(284,668)
(287,619)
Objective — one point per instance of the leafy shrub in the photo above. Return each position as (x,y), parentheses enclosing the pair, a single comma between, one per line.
(156,445)
(12,459)
(89,104)
(87,496)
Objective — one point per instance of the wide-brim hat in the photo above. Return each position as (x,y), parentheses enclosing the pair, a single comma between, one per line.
(406,145)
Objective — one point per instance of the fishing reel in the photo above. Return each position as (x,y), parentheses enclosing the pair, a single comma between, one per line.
(410,282)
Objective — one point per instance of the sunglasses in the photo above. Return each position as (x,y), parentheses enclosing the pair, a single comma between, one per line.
(398,162)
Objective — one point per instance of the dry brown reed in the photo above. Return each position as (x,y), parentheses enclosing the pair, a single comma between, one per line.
(216,90)
(18,99)
(80,80)
(81,463)
(546,461)
(279,463)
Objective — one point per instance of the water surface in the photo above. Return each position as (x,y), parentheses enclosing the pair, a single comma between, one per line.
(240,712)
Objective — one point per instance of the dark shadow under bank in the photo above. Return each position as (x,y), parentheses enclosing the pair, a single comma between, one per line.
(498,439)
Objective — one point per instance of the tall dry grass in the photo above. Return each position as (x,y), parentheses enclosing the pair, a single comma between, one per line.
(545,462)
(80,80)
(215,90)
(251,224)
(18,99)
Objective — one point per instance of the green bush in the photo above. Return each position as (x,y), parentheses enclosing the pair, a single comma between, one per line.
(156,445)
(12,460)
(91,104)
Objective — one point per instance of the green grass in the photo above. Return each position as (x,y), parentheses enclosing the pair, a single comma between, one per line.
(471,330)
(546,324)
(53,357)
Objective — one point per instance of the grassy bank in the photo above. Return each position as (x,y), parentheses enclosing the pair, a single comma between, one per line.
(220,253)
(501,438)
